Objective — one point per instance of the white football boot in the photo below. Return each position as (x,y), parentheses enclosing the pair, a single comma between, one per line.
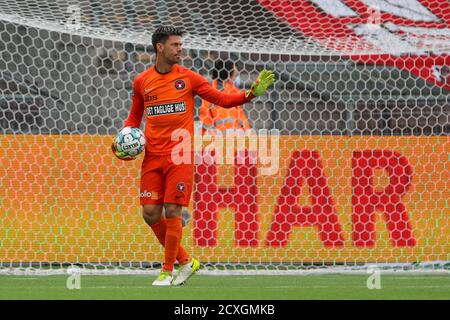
(164,279)
(185,272)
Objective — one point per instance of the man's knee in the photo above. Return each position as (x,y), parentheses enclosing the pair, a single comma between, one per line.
(172,210)
(152,213)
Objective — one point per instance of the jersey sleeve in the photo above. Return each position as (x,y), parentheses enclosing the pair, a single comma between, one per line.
(205,90)
(137,107)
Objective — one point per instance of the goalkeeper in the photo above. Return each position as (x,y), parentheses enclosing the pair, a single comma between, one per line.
(166,93)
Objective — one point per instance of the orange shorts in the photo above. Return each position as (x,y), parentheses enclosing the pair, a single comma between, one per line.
(162,181)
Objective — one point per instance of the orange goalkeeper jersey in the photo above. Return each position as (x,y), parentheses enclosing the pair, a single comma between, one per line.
(168,102)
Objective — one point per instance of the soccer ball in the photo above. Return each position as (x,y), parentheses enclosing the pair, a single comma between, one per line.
(130,140)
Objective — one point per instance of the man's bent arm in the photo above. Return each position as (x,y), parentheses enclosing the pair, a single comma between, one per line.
(137,107)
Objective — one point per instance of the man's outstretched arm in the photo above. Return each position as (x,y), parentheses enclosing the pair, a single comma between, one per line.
(229,100)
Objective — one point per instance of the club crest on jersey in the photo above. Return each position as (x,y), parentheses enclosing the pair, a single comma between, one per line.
(181,186)
(179,84)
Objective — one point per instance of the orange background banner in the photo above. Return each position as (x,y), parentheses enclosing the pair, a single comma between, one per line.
(67,199)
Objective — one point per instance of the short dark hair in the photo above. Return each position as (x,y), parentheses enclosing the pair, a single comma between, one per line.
(223,69)
(163,33)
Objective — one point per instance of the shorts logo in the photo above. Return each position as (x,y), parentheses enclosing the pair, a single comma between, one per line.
(179,84)
(146,194)
(181,186)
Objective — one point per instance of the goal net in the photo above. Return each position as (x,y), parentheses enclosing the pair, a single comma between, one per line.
(346,164)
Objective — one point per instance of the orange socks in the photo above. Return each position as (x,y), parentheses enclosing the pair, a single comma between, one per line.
(173,250)
(174,232)
(159,229)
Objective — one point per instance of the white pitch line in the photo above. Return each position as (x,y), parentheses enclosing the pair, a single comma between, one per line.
(301,287)
(420,277)
(422,287)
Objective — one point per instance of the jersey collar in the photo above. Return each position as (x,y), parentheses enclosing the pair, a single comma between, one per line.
(163,73)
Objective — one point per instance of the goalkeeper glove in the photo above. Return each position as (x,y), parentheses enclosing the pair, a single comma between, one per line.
(121,155)
(265,79)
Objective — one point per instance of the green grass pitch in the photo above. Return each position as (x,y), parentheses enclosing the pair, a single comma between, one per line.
(208,287)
